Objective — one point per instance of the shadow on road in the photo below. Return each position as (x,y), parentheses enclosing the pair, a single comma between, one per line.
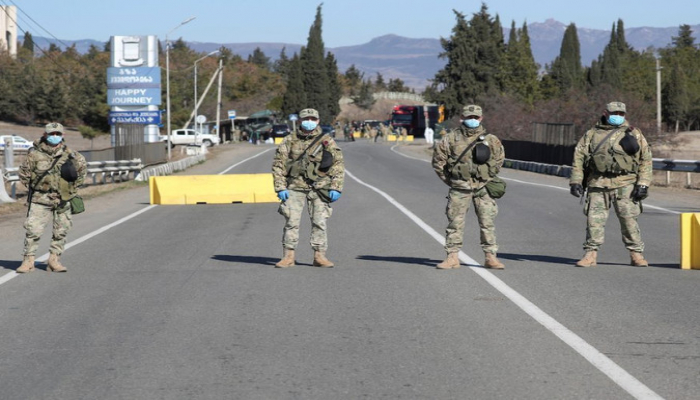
(12,265)
(538,258)
(246,259)
(403,260)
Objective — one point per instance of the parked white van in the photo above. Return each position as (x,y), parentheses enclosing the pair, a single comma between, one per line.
(190,136)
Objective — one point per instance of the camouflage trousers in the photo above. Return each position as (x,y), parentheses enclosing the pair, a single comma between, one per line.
(35,223)
(597,208)
(319,212)
(486,209)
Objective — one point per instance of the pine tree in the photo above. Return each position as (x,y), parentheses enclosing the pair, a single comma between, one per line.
(259,58)
(353,80)
(281,65)
(365,99)
(379,84)
(474,54)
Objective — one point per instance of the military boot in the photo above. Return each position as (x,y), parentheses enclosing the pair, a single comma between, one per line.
(320,260)
(492,262)
(54,264)
(27,265)
(452,261)
(287,260)
(588,260)
(637,259)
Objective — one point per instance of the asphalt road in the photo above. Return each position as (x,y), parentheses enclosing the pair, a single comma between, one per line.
(184,302)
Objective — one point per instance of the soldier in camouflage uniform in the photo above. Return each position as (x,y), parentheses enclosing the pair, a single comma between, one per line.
(467,178)
(52,173)
(614,158)
(308,168)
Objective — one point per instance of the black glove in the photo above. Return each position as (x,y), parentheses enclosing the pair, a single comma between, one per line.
(640,192)
(576,190)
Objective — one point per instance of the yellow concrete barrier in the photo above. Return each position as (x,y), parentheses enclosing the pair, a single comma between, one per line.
(212,189)
(278,140)
(356,135)
(690,241)
(393,138)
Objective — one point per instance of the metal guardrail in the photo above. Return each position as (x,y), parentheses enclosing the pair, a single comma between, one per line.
(659,164)
(99,171)
(676,165)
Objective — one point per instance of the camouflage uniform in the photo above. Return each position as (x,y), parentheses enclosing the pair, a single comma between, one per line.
(304,184)
(467,181)
(51,195)
(613,187)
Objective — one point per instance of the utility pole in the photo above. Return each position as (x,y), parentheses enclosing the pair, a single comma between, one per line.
(218,101)
(658,96)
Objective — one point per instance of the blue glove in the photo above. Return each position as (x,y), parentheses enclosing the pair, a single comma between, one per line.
(283,195)
(334,194)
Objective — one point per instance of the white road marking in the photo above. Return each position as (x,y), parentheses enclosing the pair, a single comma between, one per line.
(618,375)
(393,148)
(12,274)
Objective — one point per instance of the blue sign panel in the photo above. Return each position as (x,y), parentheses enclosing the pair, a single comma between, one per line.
(125,78)
(133,97)
(134,117)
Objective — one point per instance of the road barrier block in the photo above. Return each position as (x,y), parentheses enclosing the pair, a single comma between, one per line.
(278,140)
(690,241)
(212,189)
(356,135)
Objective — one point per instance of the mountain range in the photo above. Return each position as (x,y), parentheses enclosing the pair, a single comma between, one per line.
(415,61)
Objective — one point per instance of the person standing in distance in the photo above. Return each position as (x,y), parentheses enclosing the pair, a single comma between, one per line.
(429,134)
(52,173)
(466,160)
(613,160)
(308,168)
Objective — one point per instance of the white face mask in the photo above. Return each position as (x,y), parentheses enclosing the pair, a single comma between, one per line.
(309,125)
(471,123)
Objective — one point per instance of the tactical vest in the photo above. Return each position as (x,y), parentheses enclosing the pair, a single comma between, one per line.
(613,160)
(305,162)
(466,168)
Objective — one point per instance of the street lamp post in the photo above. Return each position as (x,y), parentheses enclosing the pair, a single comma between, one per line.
(167,77)
(196,106)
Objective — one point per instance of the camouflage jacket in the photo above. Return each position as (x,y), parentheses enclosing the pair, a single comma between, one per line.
(583,163)
(453,144)
(301,176)
(52,189)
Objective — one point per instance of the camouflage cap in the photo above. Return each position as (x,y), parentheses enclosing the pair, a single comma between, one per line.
(471,109)
(616,106)
(53,127)
(308,112)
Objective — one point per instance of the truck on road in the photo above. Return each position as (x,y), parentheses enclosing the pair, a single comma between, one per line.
(416,118)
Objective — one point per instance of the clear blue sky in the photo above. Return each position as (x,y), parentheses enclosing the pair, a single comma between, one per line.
(345,22)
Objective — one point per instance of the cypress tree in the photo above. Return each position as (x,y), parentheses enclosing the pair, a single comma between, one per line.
(334,89)
(520,69)
(28,43)
(294,99)
(566,70)
(314,69)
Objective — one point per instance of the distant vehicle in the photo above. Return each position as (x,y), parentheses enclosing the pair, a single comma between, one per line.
(18,142)
(280,130)
(415,118)
(328,129)
(190,136)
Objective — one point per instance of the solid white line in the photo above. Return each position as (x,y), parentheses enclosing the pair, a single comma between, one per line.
(618,375)
(12,274)
(536,184)
(241,162)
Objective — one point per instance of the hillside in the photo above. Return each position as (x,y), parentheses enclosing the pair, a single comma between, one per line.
(415,61)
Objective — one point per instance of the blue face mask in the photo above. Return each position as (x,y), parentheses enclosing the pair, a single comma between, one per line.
(471,123)
(616,120)
(54,140)
(309,125)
